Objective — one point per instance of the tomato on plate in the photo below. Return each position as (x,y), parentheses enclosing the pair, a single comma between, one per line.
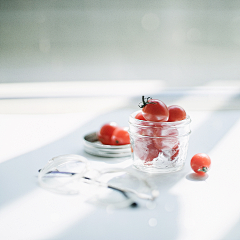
(120,136)
(154,110)
(139,116)
(176,113)
(105,133)
(200,163)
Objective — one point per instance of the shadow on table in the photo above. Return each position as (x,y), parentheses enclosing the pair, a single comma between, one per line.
(160,222)
(234,233)
(22,171)
(138,223)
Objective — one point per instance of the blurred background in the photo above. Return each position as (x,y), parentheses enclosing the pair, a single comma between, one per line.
(178,44)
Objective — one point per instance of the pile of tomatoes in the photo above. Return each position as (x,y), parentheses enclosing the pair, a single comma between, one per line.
(149,148)
(150,145)
(156,111)
(112,134)
(157,139)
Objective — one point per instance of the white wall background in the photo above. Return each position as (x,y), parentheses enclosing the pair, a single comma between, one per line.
(184,43)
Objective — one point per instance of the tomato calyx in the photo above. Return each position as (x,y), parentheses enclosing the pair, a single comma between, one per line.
(203,169)
(145,102)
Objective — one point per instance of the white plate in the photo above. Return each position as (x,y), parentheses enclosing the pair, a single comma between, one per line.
(96,148)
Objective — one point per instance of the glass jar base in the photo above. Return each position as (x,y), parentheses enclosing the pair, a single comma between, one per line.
(153,169)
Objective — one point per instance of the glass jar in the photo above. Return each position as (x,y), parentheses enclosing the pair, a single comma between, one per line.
(159,147)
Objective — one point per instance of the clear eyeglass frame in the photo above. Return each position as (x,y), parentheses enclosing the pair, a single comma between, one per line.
(115,187)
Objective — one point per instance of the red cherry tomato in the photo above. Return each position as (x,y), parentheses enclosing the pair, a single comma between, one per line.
(175,152)
(154,110)
(105,133)
(120,136)
(172,153)
(145,149)
(140,116)
(165,143)
(200,163)
(176,113)
(165,138)
(145,131)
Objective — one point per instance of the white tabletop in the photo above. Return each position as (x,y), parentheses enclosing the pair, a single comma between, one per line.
(187,207)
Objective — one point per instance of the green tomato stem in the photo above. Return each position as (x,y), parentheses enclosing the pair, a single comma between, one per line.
(145,102)
(203,169)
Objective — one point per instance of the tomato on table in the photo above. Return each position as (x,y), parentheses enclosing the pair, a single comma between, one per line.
(120,136)
(105,133)
(200,163)
(154,110)
(176,113)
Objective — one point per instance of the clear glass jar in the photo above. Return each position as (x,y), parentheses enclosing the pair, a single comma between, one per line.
(159,147)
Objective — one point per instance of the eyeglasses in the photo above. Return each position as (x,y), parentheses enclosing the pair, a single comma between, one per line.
(116,187)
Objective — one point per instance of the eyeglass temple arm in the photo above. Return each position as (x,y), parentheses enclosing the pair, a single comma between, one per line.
(133,204)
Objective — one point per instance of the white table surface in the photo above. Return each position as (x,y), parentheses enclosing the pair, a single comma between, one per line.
(187,208)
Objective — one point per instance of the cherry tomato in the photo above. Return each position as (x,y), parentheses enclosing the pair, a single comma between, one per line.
(165,143)
(140,116)
(120,136)
(165,138)
(165,131)
(175,152)
(154,110)
(200,163)
(171,154)
(145,149)
(145,131)
(176,113)
(105,133)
